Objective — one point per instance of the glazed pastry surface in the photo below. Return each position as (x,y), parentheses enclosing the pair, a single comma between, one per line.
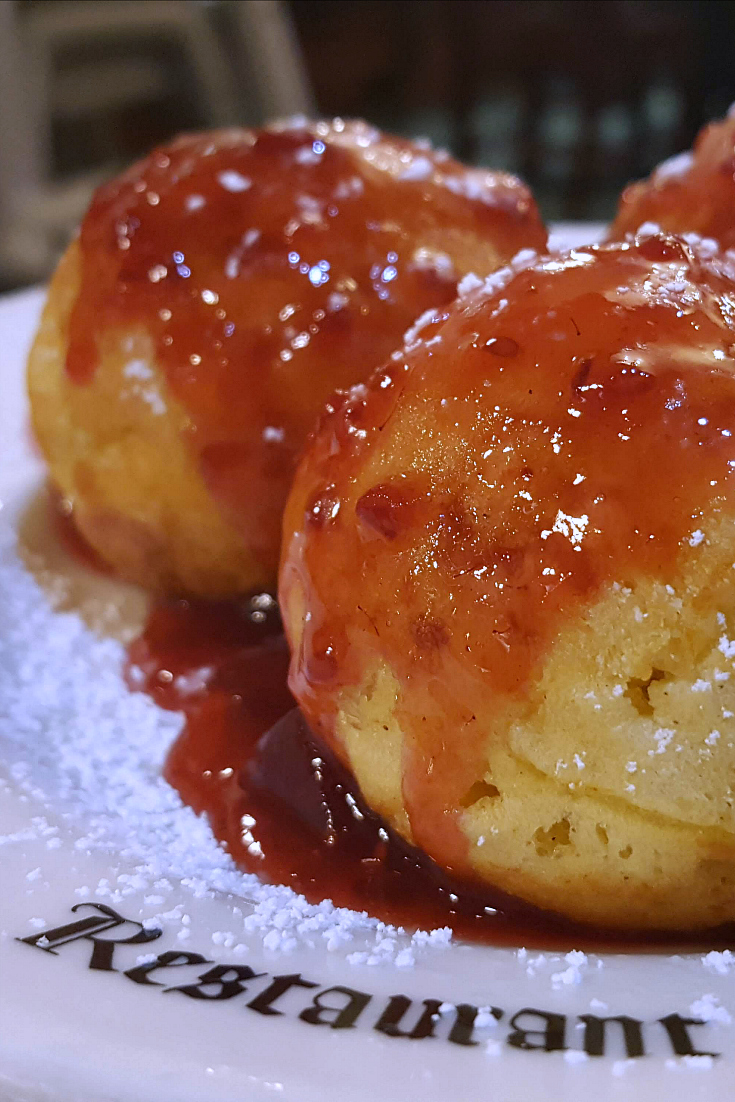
(507,580)
(693,192)
(217,294)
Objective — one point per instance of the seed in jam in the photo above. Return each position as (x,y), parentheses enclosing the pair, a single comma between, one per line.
(502,346)
(429,634)
(386,510)
(323,509)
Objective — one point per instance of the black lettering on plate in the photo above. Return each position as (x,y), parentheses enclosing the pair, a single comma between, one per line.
(550,1037)
(90,928)
(394,1013)
(263,1002)
(172,959)
(464,1023)
(227,988)
(681,1042)
(338,1017)
(595,1034)
(340,1007)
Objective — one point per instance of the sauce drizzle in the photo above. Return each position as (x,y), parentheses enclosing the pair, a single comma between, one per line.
(287,810)
(265,269)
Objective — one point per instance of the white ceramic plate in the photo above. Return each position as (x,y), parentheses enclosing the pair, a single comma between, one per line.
(86,822)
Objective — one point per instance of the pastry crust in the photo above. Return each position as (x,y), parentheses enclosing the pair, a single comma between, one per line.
(508,582)
(692,192)
(171,397)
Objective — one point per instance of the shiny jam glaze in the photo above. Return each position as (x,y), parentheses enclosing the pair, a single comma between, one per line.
(268,268)
(285,807)
(693,192)
(556,432)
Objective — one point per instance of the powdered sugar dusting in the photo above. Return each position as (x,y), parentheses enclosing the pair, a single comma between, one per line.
(234,181)
(721,962)
(412,337)
(709,1009)
(675,168)
(472,287)
(577,963)
(75,737)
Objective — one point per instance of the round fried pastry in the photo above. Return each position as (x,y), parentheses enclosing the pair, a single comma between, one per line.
(508,580)
(217,294)
(693,192)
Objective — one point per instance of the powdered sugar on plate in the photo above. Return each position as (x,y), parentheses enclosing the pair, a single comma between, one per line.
(73,736)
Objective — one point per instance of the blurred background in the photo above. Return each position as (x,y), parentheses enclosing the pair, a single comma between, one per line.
(577,96)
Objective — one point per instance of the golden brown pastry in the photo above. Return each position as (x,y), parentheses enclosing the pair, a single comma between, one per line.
(508,580)
(217,294)
(693,192)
